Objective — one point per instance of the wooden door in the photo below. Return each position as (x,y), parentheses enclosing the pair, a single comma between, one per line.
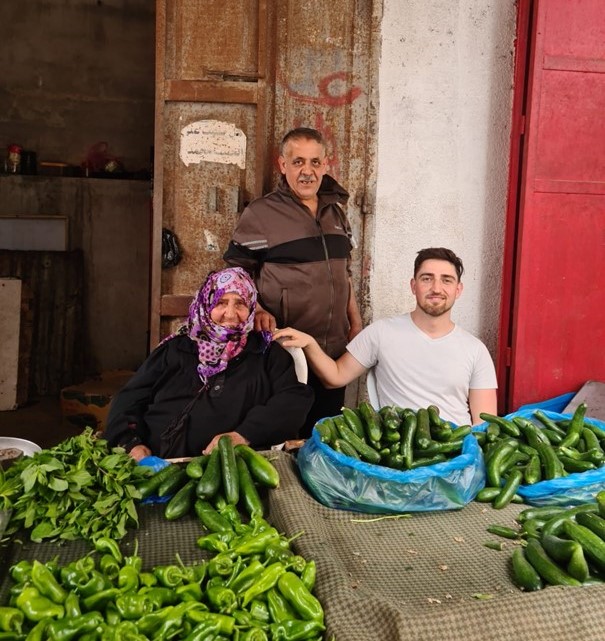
(553,313)
(232,76)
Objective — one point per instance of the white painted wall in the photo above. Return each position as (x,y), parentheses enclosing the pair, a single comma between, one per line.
(445,87)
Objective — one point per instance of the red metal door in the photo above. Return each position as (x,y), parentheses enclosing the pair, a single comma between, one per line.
(553,313)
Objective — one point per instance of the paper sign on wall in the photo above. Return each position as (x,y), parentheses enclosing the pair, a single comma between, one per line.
(213,141)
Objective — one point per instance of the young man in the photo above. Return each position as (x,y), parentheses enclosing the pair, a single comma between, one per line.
(296,243)
(420,358)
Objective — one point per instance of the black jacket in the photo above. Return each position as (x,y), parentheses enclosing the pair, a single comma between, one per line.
(258,396)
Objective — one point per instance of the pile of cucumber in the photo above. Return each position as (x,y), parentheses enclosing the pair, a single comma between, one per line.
(395,437)
(230,473)
(558,545)
(524,451)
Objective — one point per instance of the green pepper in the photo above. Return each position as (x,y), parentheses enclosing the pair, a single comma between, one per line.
(148,579)
(222,599)
(100,600)
(173,621)
(194,573)
(21,571)
(105,544)
(11,636)
(168,575)
(225,623)
(259,611)
(46,583)
(279,608)
(257,543)
(202,631)
(73,627)
(148,623)
(246,577)
(215,542)
(38,632)
(36,607)
(295,630)
(134,561)
(276,552)
(11,620)
(308,575)
(267,579)
(254,634)
(220,565)
(133,606)
(128,579)
(72,605)
(89,584)
(112,616)
(109,567)
(189,592)
(160,597)
(298,596)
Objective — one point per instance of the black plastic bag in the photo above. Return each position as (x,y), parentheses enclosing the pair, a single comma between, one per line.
(171,252)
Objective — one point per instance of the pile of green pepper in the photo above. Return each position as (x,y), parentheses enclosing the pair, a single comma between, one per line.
(252,588)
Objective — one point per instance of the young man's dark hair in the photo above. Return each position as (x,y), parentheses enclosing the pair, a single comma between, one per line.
(438,253)
(305,133)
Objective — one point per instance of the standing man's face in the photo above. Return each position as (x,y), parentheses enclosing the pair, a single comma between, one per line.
(304,164)
(436,287)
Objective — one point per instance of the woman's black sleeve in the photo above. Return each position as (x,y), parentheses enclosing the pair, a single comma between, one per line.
(126,420)
(284,413)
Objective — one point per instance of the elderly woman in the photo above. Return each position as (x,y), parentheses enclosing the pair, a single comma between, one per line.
(214,376)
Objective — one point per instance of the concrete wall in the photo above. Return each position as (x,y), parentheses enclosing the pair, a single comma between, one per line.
(443,143)
(75,73)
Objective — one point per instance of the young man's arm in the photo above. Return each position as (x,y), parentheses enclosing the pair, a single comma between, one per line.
(353,314)
(331,373)
(482,400)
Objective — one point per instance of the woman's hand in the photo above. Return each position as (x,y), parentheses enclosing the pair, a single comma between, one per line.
(139,452)
(289,337)
(236,439)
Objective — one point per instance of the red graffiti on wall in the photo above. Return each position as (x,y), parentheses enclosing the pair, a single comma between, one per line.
(325,95)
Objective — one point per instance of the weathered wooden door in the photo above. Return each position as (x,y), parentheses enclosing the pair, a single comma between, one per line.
(232,77)
(553,321)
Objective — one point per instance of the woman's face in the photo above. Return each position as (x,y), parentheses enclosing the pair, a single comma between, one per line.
(230,311)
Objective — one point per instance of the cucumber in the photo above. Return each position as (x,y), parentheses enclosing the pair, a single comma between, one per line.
(248,492)
(546,567)
(228,470)
(593,545)
(504,531)
(509,489)
(408,431)
(593,522)
(326,430)
(504,425)
(210,482)
(353,421)
(261,469)
(182,502)
(487,494)
(366,452)
(195,467)
(150,485)
(173,483)
(210,518)
(423,438)
(524,574)
(342,446)
(372,421)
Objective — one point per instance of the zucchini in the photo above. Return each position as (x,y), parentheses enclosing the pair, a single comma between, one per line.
(261,469)
(524,574)
(210,482)
(182,502)
(546,567)
(248,492)
(228,470)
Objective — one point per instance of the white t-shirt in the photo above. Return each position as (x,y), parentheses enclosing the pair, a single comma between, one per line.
(413,370)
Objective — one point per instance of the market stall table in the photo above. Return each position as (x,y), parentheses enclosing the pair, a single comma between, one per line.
(420,577)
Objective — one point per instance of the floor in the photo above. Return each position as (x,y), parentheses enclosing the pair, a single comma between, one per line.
(39,421)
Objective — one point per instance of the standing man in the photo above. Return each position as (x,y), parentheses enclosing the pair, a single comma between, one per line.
(296,242)
(422,358)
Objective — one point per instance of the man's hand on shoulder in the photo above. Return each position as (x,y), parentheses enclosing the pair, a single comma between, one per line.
(264,321)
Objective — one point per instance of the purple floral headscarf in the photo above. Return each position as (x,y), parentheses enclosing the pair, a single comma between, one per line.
(216,344)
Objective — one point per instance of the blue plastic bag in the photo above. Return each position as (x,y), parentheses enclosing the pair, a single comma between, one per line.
(346,483)
(573,489)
